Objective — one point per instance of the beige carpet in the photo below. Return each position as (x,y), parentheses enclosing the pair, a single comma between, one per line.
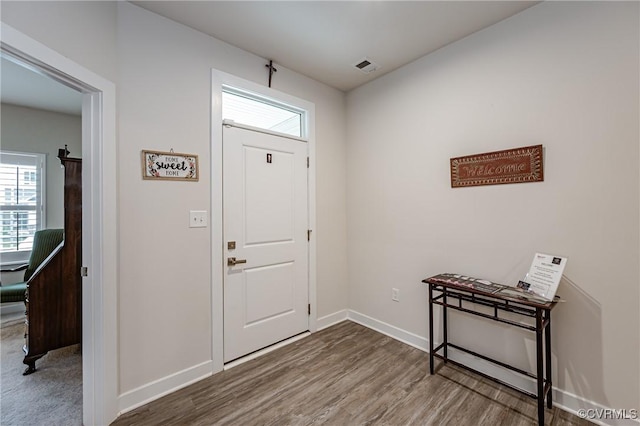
(50,396)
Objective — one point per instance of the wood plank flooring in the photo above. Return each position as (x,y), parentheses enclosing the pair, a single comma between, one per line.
(344,375)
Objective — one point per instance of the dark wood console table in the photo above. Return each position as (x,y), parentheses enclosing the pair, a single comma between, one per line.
(465,298)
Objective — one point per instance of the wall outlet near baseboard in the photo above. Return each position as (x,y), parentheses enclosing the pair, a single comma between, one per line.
(395,294)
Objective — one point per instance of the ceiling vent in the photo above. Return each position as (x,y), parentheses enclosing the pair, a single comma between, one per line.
(366,65)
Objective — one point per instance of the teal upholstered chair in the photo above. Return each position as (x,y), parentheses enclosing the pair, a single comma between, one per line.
(44,242)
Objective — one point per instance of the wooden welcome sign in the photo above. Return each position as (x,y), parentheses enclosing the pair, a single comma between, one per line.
(516,165)
(169,166)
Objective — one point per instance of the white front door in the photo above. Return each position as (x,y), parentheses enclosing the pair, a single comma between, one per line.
(265,230)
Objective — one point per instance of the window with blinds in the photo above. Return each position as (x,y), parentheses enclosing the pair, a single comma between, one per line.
(22,195)
(264,114)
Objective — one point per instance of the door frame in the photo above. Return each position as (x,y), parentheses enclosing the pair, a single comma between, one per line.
(99,225)
(219,80)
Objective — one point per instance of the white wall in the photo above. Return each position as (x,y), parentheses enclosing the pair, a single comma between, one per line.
(43,132)
(81,30)
(164,92)
(562,74)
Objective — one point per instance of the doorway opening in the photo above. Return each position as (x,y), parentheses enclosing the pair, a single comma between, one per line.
(98,241)
(40,211)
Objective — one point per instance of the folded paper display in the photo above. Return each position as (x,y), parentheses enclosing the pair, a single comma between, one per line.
(544,275)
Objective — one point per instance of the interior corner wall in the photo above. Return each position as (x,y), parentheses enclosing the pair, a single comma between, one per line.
(561,74)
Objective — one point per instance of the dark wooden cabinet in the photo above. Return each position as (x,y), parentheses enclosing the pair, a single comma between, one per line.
(54,291)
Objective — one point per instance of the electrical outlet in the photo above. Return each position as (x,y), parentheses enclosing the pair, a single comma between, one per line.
(395,294)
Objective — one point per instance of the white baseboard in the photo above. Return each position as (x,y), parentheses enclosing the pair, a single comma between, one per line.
(144,394)
(390,330)
(332,319)
(562,399)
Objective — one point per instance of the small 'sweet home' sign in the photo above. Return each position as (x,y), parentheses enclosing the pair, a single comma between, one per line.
(169,166)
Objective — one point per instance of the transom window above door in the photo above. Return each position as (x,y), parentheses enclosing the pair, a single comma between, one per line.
(252,111)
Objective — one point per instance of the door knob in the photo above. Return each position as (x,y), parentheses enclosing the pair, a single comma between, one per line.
(233,261)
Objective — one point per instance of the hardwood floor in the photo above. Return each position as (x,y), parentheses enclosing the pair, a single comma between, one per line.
(344,375)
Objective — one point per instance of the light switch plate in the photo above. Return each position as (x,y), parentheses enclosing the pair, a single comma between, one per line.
(198,219)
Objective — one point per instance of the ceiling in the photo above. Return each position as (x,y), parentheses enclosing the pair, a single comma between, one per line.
(320,39)
(325,39)
(21,86)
